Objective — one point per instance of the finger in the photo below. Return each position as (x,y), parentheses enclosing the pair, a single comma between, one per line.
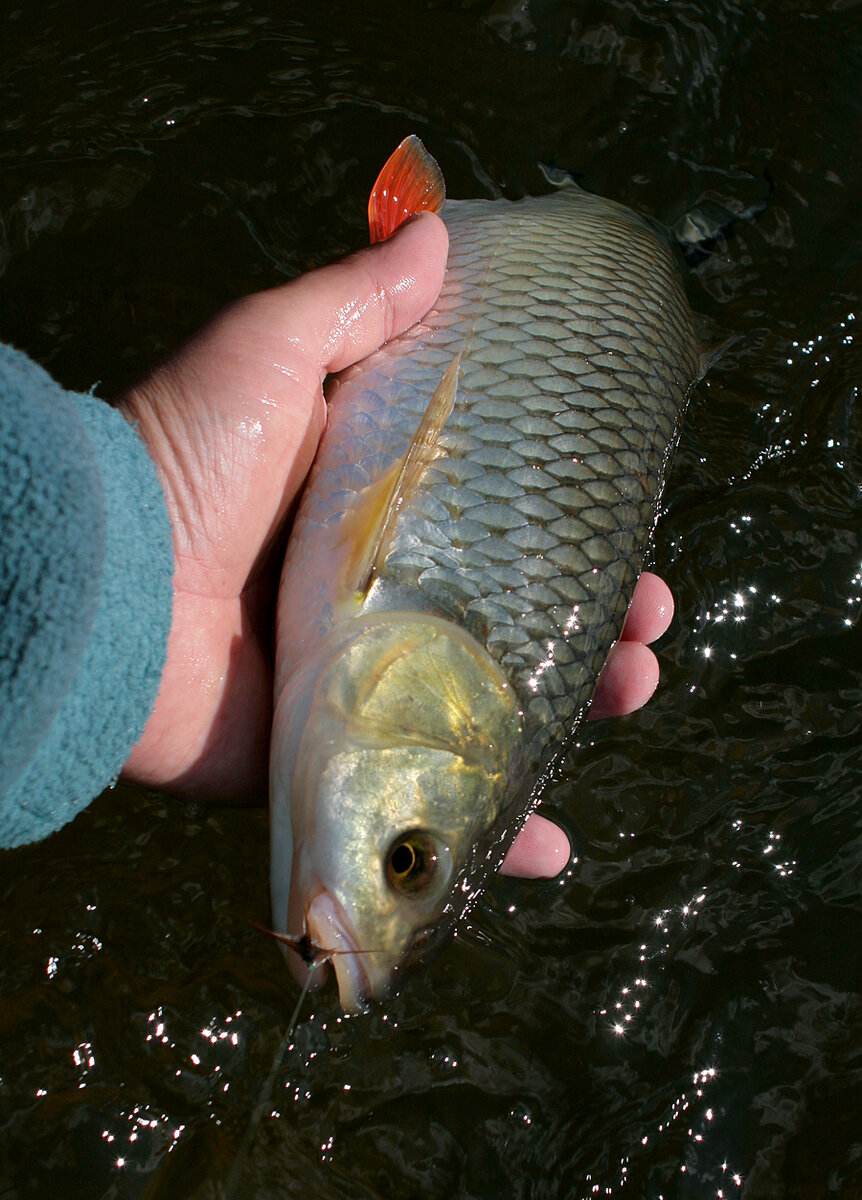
(540,851)
(343,312)
(651,610)
(628,679)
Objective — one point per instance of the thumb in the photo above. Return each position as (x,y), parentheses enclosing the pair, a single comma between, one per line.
(343,312)
(337,315)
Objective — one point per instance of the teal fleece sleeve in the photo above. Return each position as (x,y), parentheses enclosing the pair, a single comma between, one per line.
(85,597)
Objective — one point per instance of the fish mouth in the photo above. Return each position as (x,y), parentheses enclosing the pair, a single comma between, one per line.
(329,932)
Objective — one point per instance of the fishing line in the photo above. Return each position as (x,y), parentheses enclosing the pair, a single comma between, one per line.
(227,1190)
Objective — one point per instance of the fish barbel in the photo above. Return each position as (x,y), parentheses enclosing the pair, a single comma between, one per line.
(462,561)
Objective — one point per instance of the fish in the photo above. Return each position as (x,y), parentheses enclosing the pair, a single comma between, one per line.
(461,563)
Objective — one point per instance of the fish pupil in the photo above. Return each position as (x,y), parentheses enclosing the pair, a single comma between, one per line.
(405,860)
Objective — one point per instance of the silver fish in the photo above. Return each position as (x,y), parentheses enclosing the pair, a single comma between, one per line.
(461,564)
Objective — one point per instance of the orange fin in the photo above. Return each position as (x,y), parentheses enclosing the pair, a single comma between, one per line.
(409,182)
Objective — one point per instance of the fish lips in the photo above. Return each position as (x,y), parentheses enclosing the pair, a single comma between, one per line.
(330,932)
(365,974)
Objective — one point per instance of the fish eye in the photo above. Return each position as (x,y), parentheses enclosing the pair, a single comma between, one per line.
(411,862)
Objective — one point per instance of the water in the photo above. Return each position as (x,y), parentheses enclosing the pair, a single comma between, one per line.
(681,1016)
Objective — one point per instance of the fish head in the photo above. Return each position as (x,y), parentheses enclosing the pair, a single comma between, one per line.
(393,772)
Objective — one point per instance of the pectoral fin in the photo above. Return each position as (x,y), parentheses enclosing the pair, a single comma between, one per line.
(371,525)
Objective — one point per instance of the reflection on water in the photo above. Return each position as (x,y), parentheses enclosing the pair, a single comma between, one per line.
(679,1015)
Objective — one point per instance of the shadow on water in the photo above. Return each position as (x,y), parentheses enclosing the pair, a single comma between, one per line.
(680,1016)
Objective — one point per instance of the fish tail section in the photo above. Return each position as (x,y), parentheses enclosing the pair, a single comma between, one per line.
(410,182)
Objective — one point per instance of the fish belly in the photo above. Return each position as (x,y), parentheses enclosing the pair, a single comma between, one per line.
(529,528)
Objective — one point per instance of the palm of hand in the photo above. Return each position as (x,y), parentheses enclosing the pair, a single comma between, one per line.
(232,422)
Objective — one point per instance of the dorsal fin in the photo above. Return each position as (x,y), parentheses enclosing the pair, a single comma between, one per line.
(409,182)
(372,523)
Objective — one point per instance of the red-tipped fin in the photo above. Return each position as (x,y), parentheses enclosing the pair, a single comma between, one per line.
(410,182)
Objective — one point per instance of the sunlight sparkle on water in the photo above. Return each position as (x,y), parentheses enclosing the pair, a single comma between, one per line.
(744,605)
(689,1111)
(854,600)
(632,998)
(142,1122)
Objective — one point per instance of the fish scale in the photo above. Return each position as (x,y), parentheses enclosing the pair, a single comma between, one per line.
(531,526)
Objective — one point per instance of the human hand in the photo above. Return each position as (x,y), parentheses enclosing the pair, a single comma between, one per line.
(232,421)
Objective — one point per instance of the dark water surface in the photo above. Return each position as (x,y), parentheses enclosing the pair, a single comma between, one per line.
(681,1016)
